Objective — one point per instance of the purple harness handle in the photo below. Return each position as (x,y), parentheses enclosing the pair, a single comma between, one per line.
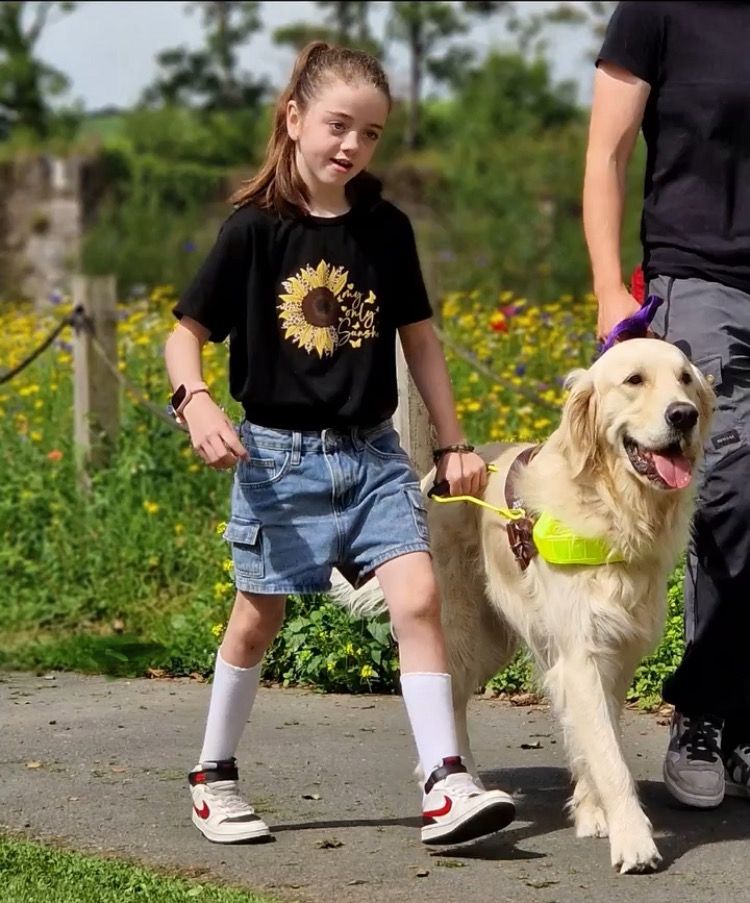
(634,327)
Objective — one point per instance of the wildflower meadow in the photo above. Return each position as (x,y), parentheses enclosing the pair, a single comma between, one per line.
(133,577)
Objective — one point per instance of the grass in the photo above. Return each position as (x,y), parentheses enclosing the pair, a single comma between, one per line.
(34,873)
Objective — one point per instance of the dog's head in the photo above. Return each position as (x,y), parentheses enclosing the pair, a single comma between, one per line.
(642,409)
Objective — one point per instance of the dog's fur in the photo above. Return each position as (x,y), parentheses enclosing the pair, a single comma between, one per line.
(587,626)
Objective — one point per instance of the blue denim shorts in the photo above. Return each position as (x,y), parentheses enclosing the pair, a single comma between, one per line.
(306,502)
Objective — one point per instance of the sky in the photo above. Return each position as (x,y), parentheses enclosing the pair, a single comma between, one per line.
(107,48)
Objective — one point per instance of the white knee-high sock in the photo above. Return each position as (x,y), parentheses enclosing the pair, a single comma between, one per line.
(232,697)
(429,705)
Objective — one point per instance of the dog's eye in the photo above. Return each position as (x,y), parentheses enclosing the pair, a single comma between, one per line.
(635,379)
(685,378)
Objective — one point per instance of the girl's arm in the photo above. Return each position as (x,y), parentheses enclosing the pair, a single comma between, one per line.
(465,472)
(616,115)
(211,432)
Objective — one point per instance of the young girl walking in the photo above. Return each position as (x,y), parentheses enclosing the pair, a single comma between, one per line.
(311,278)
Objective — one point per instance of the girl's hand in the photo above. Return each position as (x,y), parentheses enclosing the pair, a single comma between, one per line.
(212,434)
(465,472)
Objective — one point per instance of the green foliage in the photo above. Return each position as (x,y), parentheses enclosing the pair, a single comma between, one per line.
(510,152)
(209,78)
(646,688)
(322,646)
(27,85)
(33,873)
(168,172)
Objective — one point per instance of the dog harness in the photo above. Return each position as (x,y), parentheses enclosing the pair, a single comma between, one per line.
(546,536)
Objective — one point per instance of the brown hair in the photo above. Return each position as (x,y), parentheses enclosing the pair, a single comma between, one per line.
(278,185)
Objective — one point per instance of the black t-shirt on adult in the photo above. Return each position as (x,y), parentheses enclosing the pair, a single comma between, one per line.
(694,55)
(311,306)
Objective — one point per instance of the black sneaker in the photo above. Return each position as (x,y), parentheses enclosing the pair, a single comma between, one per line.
(737,773)
(693,768)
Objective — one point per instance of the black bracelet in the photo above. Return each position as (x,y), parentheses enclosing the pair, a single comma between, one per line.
(439,452)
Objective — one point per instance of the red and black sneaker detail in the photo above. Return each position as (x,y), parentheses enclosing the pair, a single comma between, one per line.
(219,812)
(456,809)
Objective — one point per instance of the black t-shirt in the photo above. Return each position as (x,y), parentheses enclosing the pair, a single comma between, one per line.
(696,212)
(311,306)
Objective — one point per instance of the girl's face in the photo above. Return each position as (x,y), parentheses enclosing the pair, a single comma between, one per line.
(337,134)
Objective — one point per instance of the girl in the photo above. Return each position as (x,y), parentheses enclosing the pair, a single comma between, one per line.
(311,277)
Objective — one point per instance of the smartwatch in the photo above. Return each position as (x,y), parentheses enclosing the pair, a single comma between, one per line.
(182,396)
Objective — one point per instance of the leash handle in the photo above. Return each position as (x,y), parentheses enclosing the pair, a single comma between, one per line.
(634,327)
(439,493)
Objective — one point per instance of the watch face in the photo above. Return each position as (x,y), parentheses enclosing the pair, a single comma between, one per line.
(179,397)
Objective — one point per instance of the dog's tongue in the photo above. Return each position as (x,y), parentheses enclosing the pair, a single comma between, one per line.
(674,470)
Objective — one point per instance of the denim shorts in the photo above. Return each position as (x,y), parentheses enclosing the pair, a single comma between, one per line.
(306,502)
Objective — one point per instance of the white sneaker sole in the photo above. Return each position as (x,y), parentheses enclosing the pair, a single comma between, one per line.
(254,832)
(690,799)
(490,816)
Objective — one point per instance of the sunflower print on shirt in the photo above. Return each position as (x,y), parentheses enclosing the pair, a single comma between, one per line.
(322,311)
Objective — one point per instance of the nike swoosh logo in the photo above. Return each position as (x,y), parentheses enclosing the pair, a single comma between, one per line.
(203,812)
(443,810)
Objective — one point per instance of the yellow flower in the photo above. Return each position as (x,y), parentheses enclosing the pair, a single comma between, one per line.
(179,529)
(366,671)
(221,588)
(150,507)
(220,527)
(217,630)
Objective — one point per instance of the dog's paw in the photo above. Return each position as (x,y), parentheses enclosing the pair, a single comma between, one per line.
(633,855)
(590,820)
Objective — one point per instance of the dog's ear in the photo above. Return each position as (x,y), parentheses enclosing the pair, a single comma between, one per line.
(577,432)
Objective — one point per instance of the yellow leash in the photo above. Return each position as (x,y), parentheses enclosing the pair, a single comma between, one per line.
(507,513)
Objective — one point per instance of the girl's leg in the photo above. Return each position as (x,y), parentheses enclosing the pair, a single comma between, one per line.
(253,624)
(411,592)
(455,808)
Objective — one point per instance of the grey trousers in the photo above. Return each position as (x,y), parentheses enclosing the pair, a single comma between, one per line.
(710,323)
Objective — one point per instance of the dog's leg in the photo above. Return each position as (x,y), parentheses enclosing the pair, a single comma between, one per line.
(588,714)
(460,702)
(586,809)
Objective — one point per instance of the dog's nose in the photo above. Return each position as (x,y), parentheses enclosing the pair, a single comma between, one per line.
(681,416)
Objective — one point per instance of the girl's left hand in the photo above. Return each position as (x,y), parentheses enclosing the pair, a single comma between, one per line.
(465,472)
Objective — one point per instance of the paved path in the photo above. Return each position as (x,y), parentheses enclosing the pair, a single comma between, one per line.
(100,765)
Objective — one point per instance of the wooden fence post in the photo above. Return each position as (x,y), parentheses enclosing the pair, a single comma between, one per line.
(411,418)
(96,395)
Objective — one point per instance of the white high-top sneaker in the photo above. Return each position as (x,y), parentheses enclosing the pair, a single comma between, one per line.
(456,809)
(219,812)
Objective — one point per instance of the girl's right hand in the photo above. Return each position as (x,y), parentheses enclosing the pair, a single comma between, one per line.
(211,433)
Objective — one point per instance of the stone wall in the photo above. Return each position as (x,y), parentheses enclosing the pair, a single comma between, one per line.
(45,204)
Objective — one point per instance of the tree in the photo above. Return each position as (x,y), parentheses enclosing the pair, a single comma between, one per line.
(26,83)
(425,26)
(531,29)
(346,22)
(209,77)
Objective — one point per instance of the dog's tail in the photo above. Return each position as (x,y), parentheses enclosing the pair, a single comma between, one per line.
(366,602)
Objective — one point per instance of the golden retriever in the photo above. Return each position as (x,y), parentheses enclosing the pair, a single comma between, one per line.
(619,467)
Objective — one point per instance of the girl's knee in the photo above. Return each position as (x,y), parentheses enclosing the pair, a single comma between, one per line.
(421,602)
